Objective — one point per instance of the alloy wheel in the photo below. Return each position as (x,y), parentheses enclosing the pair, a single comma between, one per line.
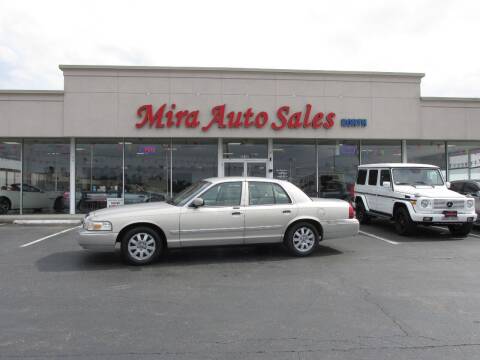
(303,239)
(141,246)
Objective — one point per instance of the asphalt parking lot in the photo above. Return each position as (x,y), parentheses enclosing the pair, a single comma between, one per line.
(373,296)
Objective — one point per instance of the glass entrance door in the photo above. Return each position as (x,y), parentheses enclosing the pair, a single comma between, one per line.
(245,168)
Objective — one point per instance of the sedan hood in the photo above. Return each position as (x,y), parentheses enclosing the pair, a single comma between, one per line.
(423,191)
(134,209)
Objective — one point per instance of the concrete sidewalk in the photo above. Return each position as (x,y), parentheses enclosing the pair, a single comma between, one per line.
(38,219)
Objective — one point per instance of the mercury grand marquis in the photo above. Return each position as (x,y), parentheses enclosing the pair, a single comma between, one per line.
(220,211)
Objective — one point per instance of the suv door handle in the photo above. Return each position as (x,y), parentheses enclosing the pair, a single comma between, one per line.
(236,213)
(286,211)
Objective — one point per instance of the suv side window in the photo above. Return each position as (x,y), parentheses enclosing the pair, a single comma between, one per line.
(385,176)
(361,177)
(372,177)
(224,194)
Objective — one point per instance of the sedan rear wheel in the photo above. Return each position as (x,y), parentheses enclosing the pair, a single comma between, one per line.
(141,246)
(302,239)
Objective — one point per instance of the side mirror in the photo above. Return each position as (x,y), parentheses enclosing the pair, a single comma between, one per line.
(447,184)
(197,202)
(386,184)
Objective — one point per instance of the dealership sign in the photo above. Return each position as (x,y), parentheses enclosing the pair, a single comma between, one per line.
(171,117)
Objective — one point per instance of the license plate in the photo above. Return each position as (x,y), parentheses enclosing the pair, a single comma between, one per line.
(449,214)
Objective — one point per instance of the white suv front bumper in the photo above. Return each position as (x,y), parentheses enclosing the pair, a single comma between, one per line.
(442,219)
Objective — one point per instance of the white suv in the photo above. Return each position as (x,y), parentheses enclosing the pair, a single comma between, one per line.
(411,194)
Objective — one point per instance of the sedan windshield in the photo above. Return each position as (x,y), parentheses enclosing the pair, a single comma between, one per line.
(189,193)
(417,176)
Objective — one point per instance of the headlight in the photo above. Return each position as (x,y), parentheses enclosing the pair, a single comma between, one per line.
(425,203)
(470,203)
(97,225)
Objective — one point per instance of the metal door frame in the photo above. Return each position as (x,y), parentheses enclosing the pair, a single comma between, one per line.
(245,166)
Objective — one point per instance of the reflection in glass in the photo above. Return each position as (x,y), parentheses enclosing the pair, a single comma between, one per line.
(10,173)
(427,152)
(46,169)
(381,151)
(463,160)
(295,161)
(98,173)
(193,160)
(233,169)
(245,149)
(147,170)
(257,169)
(337,168)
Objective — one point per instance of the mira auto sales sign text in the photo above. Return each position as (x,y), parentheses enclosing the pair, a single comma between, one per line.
(170,117)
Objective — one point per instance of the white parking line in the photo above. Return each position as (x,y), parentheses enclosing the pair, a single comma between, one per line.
(475,235)
(48,237)
(470,234)
(379,238)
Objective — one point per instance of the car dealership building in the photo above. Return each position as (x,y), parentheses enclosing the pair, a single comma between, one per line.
(135,134)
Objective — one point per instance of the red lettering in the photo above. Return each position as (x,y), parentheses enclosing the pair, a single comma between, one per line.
(192,120)
(261,119)
(234,122)
(147,111)
(169,116)
(179,117)
(218,113)
(281,115)
(306,118)
(317,120)
(159,116)
(330,120)
(295,120)
(248,114)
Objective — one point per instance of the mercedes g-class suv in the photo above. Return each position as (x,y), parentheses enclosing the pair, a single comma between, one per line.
(411,194)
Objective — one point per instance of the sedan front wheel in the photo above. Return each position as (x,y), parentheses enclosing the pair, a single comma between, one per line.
(141,246)
(302,239)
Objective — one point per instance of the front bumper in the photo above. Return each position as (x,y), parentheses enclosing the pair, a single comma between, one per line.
(97,240)
(442,219)
(340,228)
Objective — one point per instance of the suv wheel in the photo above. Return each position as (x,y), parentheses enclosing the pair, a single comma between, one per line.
(460,230)
(141,245)
(403,223)
(361,213)
(302,239)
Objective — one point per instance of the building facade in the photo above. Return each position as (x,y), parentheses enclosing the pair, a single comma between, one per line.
(119,134)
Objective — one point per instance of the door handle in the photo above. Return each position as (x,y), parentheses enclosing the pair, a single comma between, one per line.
(286,211)
(236,213)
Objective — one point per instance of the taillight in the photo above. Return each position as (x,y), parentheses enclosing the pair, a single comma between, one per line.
(351,212)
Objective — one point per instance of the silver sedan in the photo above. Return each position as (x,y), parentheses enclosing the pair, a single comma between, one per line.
(220,211)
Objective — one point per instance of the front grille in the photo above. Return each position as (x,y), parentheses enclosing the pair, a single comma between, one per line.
(442,204)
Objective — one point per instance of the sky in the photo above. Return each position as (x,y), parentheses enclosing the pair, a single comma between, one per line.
(439,38)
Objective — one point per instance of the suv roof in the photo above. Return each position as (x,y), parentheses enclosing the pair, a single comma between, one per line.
(397,165)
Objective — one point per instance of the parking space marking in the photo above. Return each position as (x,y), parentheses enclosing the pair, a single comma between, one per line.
(379,237)
(441,228)
(475,235)
(48,236)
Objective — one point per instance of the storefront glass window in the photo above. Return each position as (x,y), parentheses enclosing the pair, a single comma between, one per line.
(10,176)
(427,152)
(147,170)
(295,161)
(337,168)
(381,151)
(463,160)
(98,173)
(193,160)
(245,149)
(46,180)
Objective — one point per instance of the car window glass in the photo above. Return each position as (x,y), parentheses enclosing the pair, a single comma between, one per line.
(456,186)
(372,177)
(361,177)
(260,193)
(470,188)
(224,194)
(384,176)
(280,195)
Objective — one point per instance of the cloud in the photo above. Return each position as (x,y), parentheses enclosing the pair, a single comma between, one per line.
(435,37)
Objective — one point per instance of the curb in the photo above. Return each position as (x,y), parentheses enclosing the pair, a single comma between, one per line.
(47,222)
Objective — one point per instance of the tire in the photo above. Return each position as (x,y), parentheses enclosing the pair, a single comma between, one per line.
(4,205)
(141,246)
(403,222)
(361,213)
(460,230)
(302,239)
